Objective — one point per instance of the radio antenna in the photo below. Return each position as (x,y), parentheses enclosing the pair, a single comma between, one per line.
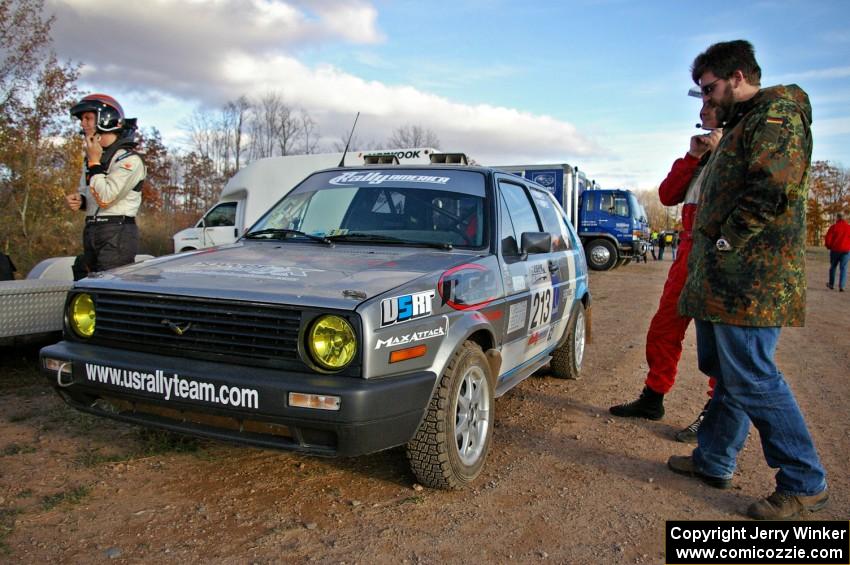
(347,143)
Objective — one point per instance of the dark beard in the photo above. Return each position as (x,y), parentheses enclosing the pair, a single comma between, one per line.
(723,108)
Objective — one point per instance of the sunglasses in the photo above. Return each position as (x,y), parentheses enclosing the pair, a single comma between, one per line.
(707,89)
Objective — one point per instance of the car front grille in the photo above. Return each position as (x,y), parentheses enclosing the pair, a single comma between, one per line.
(198,327)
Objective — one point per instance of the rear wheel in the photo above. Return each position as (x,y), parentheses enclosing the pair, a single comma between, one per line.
(601,255)
(567,358)
(451,444)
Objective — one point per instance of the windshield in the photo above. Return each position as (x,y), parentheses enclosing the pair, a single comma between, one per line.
(443,207)
(638,213)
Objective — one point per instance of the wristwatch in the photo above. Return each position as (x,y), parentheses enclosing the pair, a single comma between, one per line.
(723,245)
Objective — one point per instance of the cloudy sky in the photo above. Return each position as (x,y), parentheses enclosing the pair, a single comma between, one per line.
(600,84)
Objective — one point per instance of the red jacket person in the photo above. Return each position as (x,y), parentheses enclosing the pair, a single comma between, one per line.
(667,328)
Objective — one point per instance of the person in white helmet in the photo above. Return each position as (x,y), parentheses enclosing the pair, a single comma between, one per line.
(110,190)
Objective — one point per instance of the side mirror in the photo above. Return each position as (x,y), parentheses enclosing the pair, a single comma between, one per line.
(536,242)
(201,223)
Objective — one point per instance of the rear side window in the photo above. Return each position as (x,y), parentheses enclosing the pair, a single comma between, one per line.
(519,208)
(552,219)
(509,245)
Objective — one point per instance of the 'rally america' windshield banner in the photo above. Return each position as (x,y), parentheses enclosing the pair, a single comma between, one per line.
(463,182)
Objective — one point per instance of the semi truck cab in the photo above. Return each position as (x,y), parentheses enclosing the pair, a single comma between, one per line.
(612,226)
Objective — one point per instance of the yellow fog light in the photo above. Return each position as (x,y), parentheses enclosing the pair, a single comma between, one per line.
(81,315)
(331,342)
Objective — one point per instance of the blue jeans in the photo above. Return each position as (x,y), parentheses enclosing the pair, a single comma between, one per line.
(838,259)
(751,388)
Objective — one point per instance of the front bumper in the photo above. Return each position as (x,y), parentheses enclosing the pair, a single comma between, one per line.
(374,414)
(633,248)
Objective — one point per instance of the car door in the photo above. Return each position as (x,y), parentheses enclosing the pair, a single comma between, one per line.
(219,224)
(563,261)
(527,280)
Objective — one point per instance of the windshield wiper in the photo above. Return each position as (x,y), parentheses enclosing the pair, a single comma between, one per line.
(281,233)
(373,238)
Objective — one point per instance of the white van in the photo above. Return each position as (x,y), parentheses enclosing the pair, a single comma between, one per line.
(254,189)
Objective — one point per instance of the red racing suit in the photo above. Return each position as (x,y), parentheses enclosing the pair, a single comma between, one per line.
(667,328)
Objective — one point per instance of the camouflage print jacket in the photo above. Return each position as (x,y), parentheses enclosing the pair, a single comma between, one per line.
(754,196)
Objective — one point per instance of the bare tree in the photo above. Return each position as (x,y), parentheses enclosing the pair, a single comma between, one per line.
(309,132)
(659,216)
(206,136)
(413,135)
(288,129)
(829,193)
(356,143)
(263,126)
(234,118)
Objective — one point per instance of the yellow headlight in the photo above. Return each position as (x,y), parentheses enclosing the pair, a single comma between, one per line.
(81,315)
(332,343)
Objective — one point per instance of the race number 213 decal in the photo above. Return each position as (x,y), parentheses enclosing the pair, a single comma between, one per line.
(541,308)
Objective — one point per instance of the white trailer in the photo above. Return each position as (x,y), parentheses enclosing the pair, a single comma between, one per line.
(254,189)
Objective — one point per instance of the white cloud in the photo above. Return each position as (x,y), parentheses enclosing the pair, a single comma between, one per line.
(485,131)
(208,52)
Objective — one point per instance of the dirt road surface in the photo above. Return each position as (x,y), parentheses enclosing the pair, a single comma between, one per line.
(564,482)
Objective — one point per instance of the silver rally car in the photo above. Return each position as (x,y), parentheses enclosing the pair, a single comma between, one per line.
(371,307)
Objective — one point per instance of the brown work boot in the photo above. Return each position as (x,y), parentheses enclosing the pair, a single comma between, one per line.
(782,506)
(649,405)
(684,465)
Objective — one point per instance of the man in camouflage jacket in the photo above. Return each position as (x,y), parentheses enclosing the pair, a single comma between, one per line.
(747,279)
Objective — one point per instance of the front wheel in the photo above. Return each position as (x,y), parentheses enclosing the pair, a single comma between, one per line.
(601,255)
(567,358)
(451,444)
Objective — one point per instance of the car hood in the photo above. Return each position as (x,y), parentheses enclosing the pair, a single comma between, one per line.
(305,274)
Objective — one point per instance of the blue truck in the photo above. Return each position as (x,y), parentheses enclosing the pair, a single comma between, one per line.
(611,223)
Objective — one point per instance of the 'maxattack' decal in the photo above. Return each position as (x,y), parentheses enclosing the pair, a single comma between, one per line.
(415,336)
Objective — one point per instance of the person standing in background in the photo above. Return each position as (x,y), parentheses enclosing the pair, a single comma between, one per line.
(837,240)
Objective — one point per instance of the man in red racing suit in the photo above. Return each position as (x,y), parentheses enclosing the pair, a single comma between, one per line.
(667,328)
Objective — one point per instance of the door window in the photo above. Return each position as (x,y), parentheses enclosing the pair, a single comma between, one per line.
(552,219)
(221,216)
(520,209)
(614,204)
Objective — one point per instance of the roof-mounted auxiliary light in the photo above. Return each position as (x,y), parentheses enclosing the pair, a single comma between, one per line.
(449,159)
(383,159)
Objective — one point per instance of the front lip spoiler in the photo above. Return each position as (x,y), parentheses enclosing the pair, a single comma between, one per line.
(375,414)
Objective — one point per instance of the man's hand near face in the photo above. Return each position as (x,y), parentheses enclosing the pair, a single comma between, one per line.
(94,151)
(74,201)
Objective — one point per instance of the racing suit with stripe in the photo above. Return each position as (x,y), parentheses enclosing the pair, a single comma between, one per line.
(667,328)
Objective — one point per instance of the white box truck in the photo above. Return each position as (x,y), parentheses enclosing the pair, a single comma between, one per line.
(254,189)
